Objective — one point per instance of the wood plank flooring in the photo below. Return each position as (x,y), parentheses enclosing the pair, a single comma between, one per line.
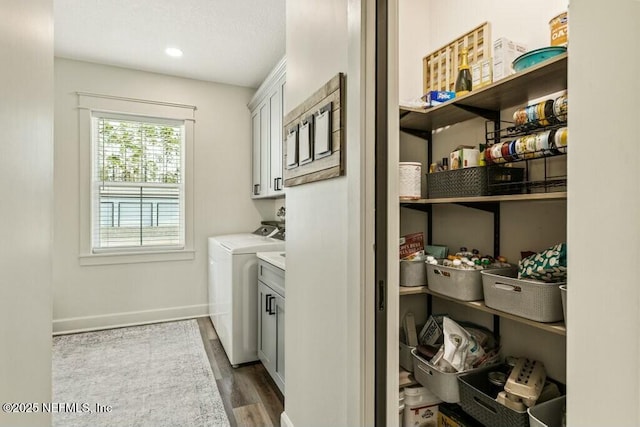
(249,395)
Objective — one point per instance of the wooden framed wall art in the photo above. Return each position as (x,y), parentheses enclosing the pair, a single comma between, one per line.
(315,136)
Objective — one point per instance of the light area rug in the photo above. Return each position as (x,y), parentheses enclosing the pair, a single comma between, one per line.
(154,375)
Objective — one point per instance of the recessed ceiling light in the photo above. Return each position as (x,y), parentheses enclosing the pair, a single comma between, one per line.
(173,52)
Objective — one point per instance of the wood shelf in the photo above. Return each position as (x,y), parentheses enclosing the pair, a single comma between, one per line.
(558,195)
(413,290)
(406,379)
(534,82)
(558,328)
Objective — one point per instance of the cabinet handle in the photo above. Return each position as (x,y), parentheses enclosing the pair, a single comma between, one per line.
(271,305)
(279,184)
(267,303)
(275,184)
(256,189)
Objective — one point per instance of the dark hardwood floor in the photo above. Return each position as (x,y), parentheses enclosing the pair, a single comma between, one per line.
(250,396)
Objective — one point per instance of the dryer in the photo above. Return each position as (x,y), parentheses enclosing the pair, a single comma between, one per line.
(233,289)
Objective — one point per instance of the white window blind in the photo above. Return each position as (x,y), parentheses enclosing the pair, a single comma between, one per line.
(138,183)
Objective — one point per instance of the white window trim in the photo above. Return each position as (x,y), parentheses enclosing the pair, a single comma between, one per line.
(87,104)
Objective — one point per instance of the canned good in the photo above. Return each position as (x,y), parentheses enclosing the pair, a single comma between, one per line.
(542,144)
(530,141)
(561,139)
(560,106)
(487,155)
(548,112)
(559,27)
(520,116)
(504,149)
(521,147)
(496,153)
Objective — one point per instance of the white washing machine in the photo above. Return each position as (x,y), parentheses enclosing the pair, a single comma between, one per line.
(233,289)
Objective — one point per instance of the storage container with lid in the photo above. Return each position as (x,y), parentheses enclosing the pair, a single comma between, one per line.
(420,407)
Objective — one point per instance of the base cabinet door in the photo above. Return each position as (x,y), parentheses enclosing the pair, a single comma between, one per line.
(279,377)
(267,327)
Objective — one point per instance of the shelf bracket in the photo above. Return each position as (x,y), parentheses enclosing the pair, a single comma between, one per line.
(417,206)
(491,207)
(496,326)
(482,112)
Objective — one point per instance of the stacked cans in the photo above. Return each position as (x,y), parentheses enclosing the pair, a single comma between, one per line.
(545,113)
(546,143)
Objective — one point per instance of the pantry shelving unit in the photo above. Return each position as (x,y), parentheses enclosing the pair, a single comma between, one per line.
(537,81)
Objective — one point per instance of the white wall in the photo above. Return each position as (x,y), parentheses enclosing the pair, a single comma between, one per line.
(26,173)
(524,226)
(604,212)
(428,25)
(323,326)
(102,296)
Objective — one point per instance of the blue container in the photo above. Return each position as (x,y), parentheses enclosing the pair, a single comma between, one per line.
(534,57)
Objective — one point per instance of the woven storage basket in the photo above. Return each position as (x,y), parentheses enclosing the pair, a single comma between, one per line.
(547,414)
(442,384)
(475,181)
(530,299)
(464,285)
(477,398)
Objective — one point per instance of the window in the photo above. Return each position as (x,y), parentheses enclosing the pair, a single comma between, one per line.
(138,186)
(136,175)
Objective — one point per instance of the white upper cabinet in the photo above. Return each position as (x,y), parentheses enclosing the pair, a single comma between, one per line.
(267,109)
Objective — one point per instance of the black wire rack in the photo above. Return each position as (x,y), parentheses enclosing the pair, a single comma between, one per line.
(538,176)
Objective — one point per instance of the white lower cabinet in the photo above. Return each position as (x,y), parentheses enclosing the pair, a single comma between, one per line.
(271,312)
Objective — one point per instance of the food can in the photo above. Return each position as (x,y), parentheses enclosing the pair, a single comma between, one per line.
(521,147)
(409,186)
(530,141)
(559,27)
(560,107)
(504,149)
(542,144)
(552,142)
(561,141)
(487,155)
(496,153)
(548,112)
(520,116)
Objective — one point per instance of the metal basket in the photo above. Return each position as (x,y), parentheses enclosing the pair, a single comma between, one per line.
(475,181)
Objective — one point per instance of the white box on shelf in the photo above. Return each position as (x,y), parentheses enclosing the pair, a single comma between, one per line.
(504,52)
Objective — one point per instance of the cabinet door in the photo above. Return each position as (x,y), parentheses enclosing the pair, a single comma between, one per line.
(265,143)
(276,185)
(256,156)
(280,342)
(267,326)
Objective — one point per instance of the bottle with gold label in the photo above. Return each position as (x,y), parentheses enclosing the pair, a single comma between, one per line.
(463,82)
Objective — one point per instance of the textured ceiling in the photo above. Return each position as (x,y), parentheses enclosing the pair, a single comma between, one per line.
(227,41)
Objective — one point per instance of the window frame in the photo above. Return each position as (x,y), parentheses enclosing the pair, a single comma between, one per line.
(92,105)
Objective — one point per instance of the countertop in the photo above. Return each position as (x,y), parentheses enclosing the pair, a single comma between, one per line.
(277,259)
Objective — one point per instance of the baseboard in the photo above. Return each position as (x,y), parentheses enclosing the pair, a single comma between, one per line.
(117,320)
(285,421)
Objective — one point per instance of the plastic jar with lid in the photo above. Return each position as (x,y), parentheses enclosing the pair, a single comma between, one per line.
(420,407)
